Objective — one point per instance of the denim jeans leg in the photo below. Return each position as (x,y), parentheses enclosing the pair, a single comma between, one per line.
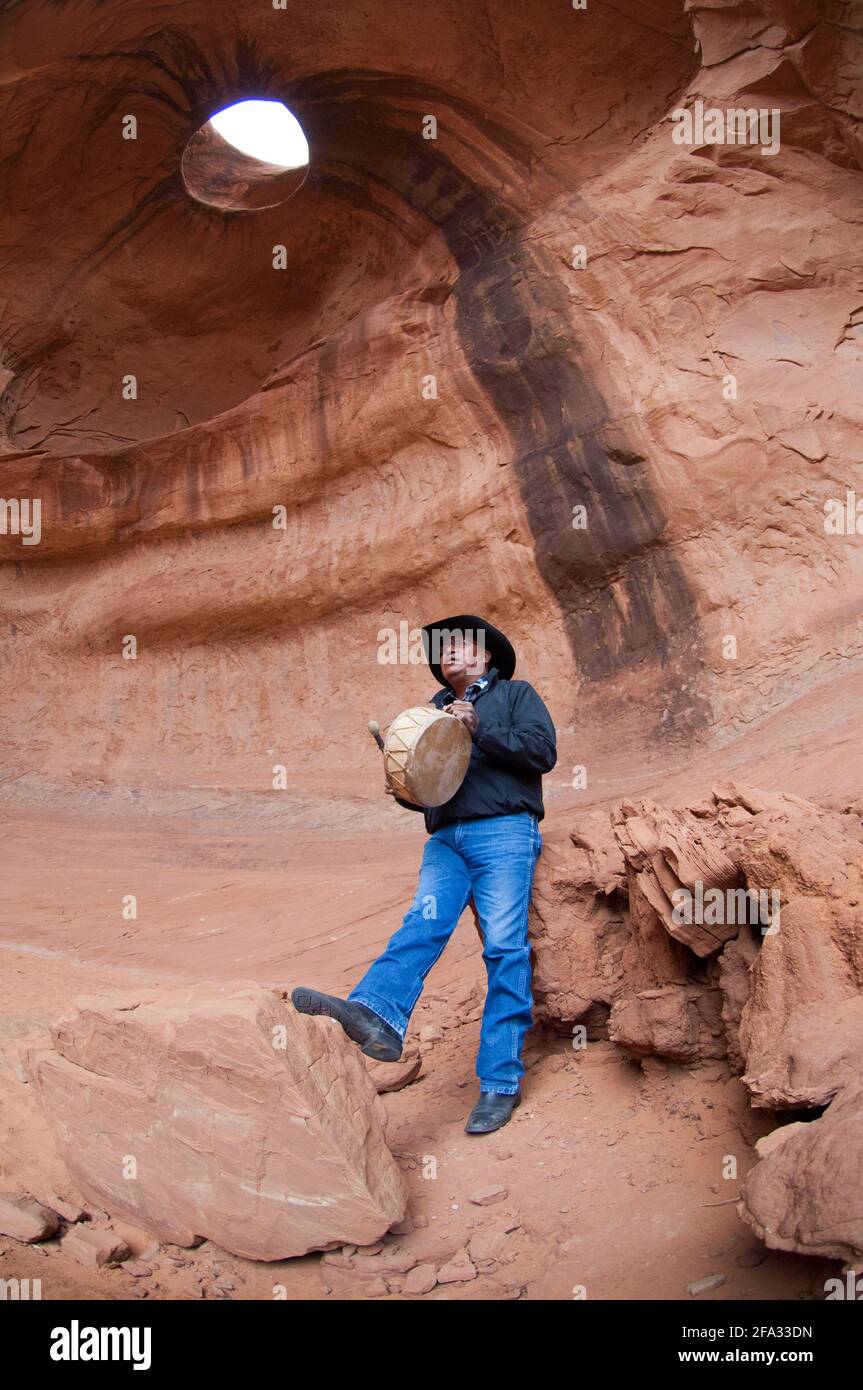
(501,853)
(393,983)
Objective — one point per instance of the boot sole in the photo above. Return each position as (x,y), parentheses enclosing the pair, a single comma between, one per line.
(310,1001)
(495,1128)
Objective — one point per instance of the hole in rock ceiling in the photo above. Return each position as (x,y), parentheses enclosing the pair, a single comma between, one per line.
(248,156)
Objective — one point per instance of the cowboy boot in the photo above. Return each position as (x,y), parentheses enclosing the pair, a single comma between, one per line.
(362,1025)
(491,1111)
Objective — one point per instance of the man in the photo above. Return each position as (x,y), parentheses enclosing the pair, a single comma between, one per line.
(483,845)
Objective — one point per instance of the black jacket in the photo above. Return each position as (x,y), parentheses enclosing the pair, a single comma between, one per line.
(513,746)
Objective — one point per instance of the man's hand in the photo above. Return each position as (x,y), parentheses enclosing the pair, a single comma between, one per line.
(464,711)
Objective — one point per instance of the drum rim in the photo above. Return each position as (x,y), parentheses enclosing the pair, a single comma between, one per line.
(399,777)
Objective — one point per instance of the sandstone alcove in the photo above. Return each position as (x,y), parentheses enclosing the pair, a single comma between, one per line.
(249,155)
(503,345)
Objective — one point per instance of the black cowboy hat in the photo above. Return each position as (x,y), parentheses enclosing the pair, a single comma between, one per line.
(502,651)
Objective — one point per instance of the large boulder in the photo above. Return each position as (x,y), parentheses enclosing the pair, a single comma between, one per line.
(804,1194)
(801,1030)
(217,1111)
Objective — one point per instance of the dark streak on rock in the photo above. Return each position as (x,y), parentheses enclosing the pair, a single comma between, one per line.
(624,598)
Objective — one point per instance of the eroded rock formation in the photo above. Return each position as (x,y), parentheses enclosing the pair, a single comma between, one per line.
(769,887)
(804,1194)
(220,1112)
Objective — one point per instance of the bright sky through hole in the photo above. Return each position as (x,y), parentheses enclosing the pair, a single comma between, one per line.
(265,130)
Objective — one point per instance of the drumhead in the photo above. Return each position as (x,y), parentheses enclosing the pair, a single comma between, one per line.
(426,755)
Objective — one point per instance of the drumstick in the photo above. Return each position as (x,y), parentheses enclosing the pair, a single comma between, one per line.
(375,731)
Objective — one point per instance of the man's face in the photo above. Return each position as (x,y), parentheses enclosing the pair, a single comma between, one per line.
(460,655)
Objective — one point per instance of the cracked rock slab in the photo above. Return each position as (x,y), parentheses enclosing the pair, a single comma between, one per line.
(217,1111)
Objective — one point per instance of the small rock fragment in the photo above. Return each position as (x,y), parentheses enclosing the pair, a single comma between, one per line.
(25,1219)
(713,1281)
(486,1196)
(487,1245)
(94,1248)
(421,1279)
(459,1269)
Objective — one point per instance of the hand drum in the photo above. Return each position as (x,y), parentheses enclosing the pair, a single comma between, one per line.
(426,755)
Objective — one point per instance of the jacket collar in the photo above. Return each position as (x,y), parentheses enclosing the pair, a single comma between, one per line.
(473,692)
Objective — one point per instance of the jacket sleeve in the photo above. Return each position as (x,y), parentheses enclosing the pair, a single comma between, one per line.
(526,741)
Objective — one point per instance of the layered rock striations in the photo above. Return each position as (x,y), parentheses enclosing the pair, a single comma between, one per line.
(621,372)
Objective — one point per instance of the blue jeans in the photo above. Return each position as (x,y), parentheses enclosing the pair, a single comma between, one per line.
(493,861)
